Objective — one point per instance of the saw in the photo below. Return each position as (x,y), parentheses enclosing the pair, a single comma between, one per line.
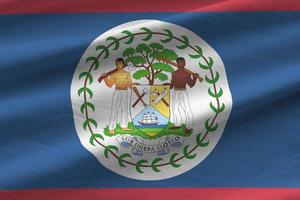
(160,96)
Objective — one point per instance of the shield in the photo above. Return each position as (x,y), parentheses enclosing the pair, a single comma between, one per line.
(150,108)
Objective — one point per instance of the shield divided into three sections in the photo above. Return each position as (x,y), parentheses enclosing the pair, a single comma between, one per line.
(150,108)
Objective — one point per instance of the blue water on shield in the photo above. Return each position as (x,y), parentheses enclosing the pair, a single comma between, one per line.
(150,118)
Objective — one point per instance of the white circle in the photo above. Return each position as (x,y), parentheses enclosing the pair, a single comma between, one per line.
(102,97)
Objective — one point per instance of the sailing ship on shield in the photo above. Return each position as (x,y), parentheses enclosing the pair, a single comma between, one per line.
(150,109)
(142,107)
(149,119)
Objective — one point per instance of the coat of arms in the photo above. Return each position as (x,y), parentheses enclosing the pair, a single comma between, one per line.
(157,101)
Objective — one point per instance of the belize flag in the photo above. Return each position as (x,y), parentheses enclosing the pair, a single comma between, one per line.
(150,99)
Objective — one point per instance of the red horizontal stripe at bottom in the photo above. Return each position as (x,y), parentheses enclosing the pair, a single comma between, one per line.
(154,193)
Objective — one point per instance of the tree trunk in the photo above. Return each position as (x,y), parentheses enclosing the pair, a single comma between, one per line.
(151,82)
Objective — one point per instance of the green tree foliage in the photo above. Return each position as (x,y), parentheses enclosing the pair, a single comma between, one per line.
(140,74)
(145,57)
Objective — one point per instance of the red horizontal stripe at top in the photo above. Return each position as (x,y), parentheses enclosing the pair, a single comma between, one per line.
(82,6)
(154,193)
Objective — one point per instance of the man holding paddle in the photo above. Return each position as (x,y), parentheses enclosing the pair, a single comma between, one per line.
(120,101)
(180,79)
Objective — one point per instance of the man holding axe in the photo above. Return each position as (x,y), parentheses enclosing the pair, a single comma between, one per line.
(180,79)
(120,101)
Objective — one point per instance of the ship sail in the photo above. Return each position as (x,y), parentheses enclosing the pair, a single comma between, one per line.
(149,119)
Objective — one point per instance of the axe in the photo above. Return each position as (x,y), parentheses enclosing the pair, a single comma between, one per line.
(160,97)
(175,65)
(140,96)
(130,67)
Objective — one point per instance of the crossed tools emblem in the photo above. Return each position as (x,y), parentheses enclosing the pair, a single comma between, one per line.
(158,96)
